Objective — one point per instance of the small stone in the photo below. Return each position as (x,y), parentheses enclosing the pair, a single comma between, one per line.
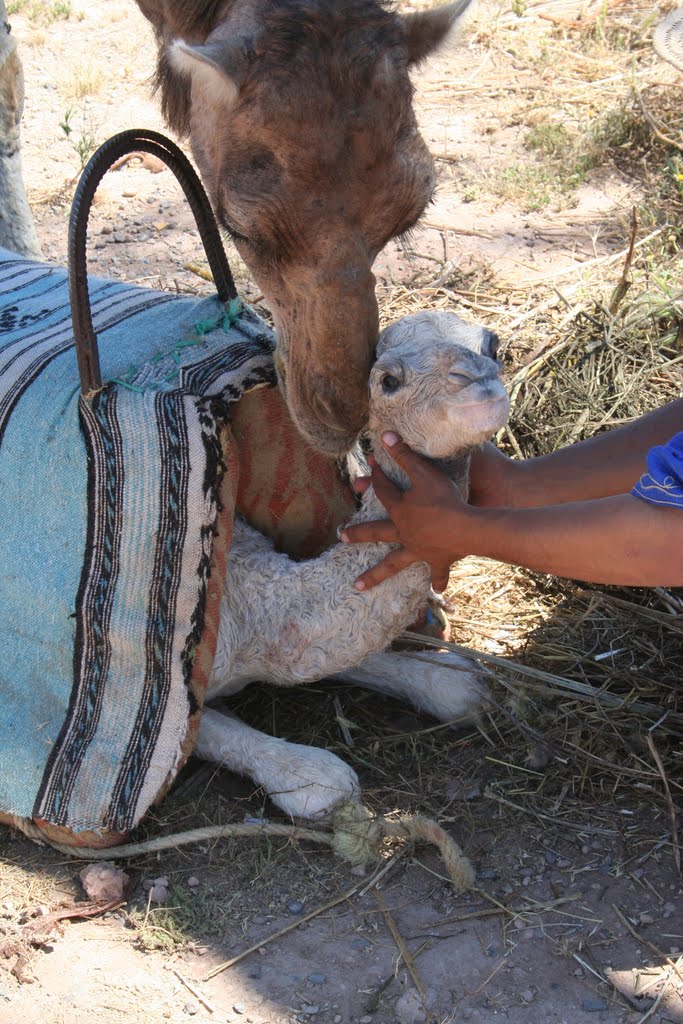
(295,906)
(550,857)
(103,882)
(593,1005)
(191,1008)
(317,979)
(646,918)
(238,1008)
(528,995)
(336,1019)
(488,873)
(309,1009)
(106,229)
(409,1008)
(158,894)
(367,1019)
(193,882)
(358,870)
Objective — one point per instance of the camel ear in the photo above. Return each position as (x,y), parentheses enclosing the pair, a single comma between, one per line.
(220,67)
(425,31)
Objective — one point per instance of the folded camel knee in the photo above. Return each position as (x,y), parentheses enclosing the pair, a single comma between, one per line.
(305,782)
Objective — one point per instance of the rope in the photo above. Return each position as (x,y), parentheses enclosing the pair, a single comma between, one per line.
(356,837)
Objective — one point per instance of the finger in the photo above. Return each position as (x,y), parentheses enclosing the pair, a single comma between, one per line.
(394,562)
(361,484)
(387,492)
(378,531)
(417,468)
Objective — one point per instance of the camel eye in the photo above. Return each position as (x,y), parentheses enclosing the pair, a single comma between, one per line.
(390,383)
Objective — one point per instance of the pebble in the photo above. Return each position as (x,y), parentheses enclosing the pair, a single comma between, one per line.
(550,858)
(158,894)
(528,995)
(191,1008)
(646,918)
(317,979)
(367,1019)
(593,1005)
(295,906)
(409,1008)
(309,1009)
(193,882)
(238,1008)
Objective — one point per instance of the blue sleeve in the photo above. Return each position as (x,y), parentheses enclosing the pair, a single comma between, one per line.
(663,482)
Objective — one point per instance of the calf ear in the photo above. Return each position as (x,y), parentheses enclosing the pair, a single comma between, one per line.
(426,30)
(219,67)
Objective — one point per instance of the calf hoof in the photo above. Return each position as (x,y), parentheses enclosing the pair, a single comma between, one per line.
(311,783)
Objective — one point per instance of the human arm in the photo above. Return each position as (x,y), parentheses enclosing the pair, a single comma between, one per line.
(607,464)
(618,539)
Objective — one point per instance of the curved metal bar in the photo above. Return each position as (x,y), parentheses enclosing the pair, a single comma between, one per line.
(133,141)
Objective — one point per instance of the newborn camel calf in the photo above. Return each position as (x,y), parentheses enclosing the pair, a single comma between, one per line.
(436,383)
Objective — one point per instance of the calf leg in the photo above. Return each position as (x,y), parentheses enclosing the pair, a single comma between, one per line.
(304,782)
(441,683)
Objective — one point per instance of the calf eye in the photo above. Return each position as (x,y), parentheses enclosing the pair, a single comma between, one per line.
(390,383)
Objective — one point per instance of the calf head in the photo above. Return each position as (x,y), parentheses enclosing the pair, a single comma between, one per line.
(301,122)
(436,383)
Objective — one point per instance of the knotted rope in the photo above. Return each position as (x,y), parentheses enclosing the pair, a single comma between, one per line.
(356,836)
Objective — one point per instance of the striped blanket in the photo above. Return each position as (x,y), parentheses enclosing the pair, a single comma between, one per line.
(112,513)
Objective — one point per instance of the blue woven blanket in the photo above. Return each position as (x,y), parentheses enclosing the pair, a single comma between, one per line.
(108,512)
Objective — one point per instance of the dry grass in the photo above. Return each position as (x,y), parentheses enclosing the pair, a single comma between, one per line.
(581,740)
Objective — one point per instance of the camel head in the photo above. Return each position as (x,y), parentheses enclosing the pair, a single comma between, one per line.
(436,383)
(301,122)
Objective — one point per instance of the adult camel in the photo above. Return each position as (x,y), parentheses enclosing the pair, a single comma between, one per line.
(300,117)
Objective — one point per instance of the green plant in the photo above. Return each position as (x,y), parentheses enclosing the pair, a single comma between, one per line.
(39,13)
(84,144)
(549,138)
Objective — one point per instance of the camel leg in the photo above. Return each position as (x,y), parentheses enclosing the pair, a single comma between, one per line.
(17,231)
(441,683)
(304,782)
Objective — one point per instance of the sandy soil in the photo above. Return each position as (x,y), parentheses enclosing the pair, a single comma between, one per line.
(571,924)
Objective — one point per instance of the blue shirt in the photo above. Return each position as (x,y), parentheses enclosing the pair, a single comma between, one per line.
(663,482)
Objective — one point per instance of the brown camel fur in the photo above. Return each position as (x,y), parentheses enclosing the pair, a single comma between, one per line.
(300,118)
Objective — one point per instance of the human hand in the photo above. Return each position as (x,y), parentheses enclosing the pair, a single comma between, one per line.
(416,521)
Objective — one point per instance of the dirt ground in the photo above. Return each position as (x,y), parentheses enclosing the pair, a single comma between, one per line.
(578,914)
